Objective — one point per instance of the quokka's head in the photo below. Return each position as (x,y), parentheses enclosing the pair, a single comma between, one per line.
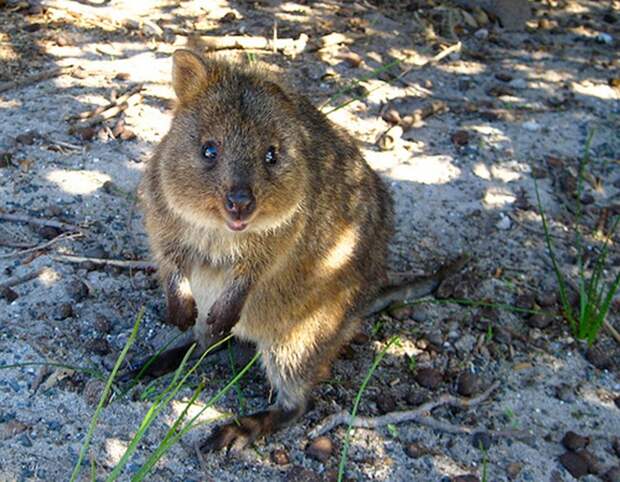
(233,157)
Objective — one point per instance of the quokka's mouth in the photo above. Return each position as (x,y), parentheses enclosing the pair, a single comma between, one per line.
(236,225)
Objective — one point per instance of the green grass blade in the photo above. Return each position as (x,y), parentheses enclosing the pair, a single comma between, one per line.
(152,413)
(104,395)
(164,446)
(358,397)
(602,313)
(568,309)
(233,368)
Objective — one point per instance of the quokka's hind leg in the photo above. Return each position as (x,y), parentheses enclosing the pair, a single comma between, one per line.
(293,400)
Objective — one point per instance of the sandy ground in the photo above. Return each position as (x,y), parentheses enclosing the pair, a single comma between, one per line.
(524,102)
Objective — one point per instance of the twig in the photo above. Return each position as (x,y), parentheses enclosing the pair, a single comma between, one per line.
(211,42)
(60,237)
(17,280)
(612,331)
(18,218)
(102,108)
(418,415)
(112,111)
(119,263)
(34,78)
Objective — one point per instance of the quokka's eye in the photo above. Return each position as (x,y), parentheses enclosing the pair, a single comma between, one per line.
(270,156)
(210,153)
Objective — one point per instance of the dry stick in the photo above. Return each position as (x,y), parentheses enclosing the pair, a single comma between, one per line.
(102,108)
(60,237)
(106,114)
(211,42)
(34,78)
(418,416)
(18,218)
(119,263)
(17,280)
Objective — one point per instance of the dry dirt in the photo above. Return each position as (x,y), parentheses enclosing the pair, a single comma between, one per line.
(524,102)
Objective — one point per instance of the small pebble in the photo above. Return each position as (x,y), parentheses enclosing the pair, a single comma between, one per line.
(415,398)
(428,377)
(415,450)
(594,464)
(102,325)
(460,138)
(320,449)
(468,384)
(279,457)
(63,311)
(77,290)
(99,346)
(24,440)
(599,358)
(9,294)
(566,393)
(481,34)
(504,223)
(122,76)
(531,126)
(513,470)
(539,320)
(481,440)
(385,403)
(573,441)
(575,464)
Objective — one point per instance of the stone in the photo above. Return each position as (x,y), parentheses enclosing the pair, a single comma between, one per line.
(428,377)
(279,457)
(320,449)
(573,441)
(574,463)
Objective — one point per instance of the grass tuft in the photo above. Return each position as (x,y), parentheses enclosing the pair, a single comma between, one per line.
(105,394)
(358,397)
(594,294)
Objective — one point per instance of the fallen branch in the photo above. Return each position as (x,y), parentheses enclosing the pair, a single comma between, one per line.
(102,108)
(419,416)
(17,218)
(61,237)
(211,42)
(121,104)
(612,331)
(34,78)
(119,263)
(17,280)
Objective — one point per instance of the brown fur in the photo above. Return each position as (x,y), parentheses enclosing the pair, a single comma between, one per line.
(313,253)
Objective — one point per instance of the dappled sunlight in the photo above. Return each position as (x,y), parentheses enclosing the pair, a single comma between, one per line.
(77,182)
(498,198)
(210,415)
(426,170)
(49,276)
(340,253)
(114,449)
(492,136)
(592,89)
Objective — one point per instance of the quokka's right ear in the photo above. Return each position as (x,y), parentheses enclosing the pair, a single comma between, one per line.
(191,74)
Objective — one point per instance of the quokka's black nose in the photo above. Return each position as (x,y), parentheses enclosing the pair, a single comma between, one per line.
(240,202)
